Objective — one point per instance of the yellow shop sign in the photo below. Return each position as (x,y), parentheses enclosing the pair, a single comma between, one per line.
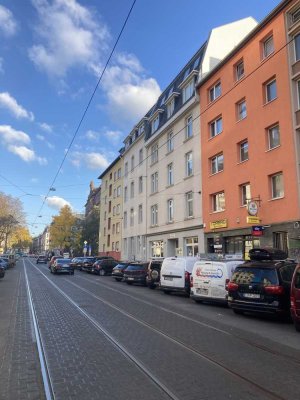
(253,220)
(222,223)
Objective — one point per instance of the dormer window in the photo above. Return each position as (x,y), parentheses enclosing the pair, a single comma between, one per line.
(188,85)
(155,124)
(170,108)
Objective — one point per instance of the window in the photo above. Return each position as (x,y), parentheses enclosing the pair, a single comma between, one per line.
(245,193)
(115,193)
(215,92)
(141,156)
(189,204)
(244,151)
(109,206)
(118,227)
(296,16)
(110,190)
(108,223)
(105,200)
(189,164)
(141,129)
(114,210)
(170,176)
(118,209)
(105,215)
(132,163)
(126,168)
(187,91)
(113,246)
(170,210)
(271,90)
(131,217)
(154,153)
(154,214)
(132,190)
(241,110)
(297,47)
(110,176)
(273,137)
(216,127)
(239,70)
(191,246)
(218,202)
(119,173)
(217,163)
(277,186)
(155,124)
(189,127)
(125,194)
(140,214)
(154,182)
(115,176)
(170,108)
(125,219)
(268,46)
(117,246)
(170,142)
(140,184)
(118,191)
(113,229)
(298,93)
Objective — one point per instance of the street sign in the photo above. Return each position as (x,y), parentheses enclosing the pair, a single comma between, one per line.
(85,242)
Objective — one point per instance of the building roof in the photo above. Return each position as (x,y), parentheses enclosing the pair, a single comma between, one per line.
(110,166)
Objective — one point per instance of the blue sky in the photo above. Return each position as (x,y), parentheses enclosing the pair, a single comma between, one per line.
(51,55)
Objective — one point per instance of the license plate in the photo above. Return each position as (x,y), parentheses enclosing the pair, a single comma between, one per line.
(168,278)
(202,291)
(252,295)
(130,279)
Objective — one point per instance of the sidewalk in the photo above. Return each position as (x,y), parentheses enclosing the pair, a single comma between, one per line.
(20,376)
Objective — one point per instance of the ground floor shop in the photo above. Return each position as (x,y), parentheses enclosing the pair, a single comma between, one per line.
(284,236)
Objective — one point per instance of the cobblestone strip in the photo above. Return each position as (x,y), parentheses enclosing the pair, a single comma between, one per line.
(20,376)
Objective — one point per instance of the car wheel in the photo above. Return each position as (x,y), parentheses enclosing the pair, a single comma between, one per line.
(166,291)
(129,283)
(198,301)
(239,312)
(118,279)
(151,286)
(297,326)
(101,272)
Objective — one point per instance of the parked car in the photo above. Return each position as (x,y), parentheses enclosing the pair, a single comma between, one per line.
(10,258)
(62,265)
(76,261)
(153,273)
(41,259)
(118,270)
(295,298)
(209,279)
(262,285)
(104,266)
(53,258)
(2,271)
(4,263)
(175,274)
(136,273)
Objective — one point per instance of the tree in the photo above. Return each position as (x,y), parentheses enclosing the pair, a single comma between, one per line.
(90,231)
(63,230)
(20,238)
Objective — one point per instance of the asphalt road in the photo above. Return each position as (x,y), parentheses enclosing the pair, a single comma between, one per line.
(90,337)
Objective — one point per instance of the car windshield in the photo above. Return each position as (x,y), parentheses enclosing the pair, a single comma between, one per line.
(265,276)
(121,265)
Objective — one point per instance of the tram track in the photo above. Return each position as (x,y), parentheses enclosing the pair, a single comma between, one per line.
(204,357)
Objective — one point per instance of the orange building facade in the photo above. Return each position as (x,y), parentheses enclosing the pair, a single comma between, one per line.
(250,142)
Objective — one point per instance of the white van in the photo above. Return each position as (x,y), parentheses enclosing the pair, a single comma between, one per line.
(209,279)
(175,274)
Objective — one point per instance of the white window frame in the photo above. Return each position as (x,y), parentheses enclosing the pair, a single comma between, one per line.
(216,127)
(132,190)
(188,91)
(125,194)
(126,168)
(241,150)
(155,124)
(189,164)
(125,219)
(132,217)
(170,108)
(132,163)
(154,153)
(141,158)
(218,202)
(140,213)
(273,179)
(189,127)
(245,192)
(217,163)
(265,46)
(140,184)
(297,46)
(170,210)
(215,92)
(239,70)
(154,182)
(170,174)
(170,142)
(154,214)
(189,204)
(273,138)
(268,94)
(241,109)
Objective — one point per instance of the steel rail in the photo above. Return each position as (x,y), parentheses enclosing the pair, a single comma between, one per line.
(47,382)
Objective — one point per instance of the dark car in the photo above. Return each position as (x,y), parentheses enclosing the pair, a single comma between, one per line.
(62,265)
(76,261)
(4,263)
(41,259)
(295,298)
(136,273)
(118,270)
(262,285)
(2,271)
(153,273)
(104,266)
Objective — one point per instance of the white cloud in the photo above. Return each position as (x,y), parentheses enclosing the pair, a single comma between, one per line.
(57,202)
(46,127)
(43,139)
(10,103)
(9,135)
(114,136)
(8,24)
(69,36)
(92,135)
(91,160)
(26,154)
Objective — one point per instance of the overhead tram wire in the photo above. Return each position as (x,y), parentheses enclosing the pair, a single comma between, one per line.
(88,105)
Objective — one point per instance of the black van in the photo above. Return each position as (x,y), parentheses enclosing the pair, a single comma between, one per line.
(262,285)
